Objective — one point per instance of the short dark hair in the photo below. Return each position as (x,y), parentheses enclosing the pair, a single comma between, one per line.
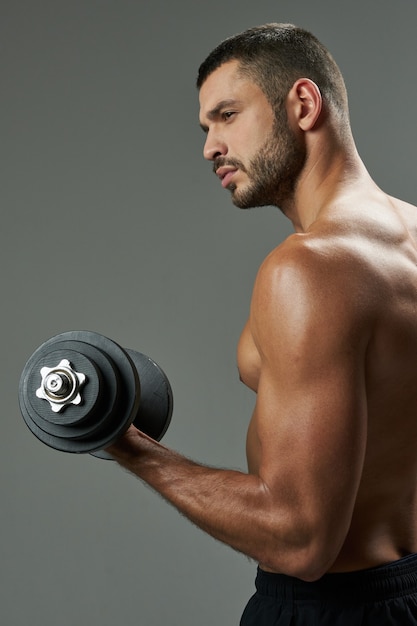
(274,56)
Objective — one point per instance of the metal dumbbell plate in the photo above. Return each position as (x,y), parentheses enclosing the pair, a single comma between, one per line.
(79,391)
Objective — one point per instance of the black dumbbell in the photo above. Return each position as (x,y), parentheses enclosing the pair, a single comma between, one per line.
(80,391)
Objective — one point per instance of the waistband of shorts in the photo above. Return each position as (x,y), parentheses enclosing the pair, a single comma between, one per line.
(394,579)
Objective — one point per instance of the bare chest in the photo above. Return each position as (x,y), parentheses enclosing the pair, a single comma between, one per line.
(249,364)
(248,359)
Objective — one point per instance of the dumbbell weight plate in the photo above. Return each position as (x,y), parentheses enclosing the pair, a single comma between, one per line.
(156,400)
(111,396)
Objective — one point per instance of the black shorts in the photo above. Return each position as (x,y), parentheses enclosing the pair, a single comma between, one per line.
(381,596)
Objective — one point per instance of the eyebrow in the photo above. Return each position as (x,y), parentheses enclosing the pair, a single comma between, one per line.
(214,113)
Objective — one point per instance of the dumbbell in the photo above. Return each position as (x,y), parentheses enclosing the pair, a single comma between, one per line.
(80,391)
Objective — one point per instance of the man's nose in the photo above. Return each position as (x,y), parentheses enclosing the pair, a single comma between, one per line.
(214,147)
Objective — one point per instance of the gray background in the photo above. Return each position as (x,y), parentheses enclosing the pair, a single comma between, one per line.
(113,222)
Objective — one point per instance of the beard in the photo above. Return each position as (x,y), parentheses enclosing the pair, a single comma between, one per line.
(273,172)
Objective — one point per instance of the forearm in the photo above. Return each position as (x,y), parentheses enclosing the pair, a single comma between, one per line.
(233,507)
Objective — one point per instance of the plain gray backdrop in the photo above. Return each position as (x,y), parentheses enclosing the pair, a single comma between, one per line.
(113,222)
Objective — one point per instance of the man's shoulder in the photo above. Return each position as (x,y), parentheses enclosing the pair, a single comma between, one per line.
(329,270)
(311,254)
(307,289)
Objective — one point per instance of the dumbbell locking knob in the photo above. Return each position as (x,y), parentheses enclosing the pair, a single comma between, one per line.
(60,385)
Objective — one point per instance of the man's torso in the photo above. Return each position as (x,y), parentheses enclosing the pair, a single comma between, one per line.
(373,248)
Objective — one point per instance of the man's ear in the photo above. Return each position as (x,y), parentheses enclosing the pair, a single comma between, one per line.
(305,104)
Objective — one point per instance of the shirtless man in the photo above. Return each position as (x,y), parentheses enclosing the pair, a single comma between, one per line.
(330,349)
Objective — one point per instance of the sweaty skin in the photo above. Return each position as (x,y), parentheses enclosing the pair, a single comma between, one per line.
(330,349)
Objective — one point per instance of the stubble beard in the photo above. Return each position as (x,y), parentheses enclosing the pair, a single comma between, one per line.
(273,172)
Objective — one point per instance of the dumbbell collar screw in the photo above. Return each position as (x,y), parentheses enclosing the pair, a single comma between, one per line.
(60,385)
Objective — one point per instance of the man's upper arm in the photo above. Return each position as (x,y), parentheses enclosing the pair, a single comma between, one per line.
(310,413)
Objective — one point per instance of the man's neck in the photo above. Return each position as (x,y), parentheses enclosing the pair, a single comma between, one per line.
(330,171)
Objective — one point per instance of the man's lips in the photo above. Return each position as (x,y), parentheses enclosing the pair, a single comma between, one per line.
(225,174)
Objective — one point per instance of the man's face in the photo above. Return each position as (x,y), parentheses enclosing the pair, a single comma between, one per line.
(255,155)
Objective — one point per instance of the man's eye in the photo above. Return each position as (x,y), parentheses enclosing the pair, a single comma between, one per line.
(228,114)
